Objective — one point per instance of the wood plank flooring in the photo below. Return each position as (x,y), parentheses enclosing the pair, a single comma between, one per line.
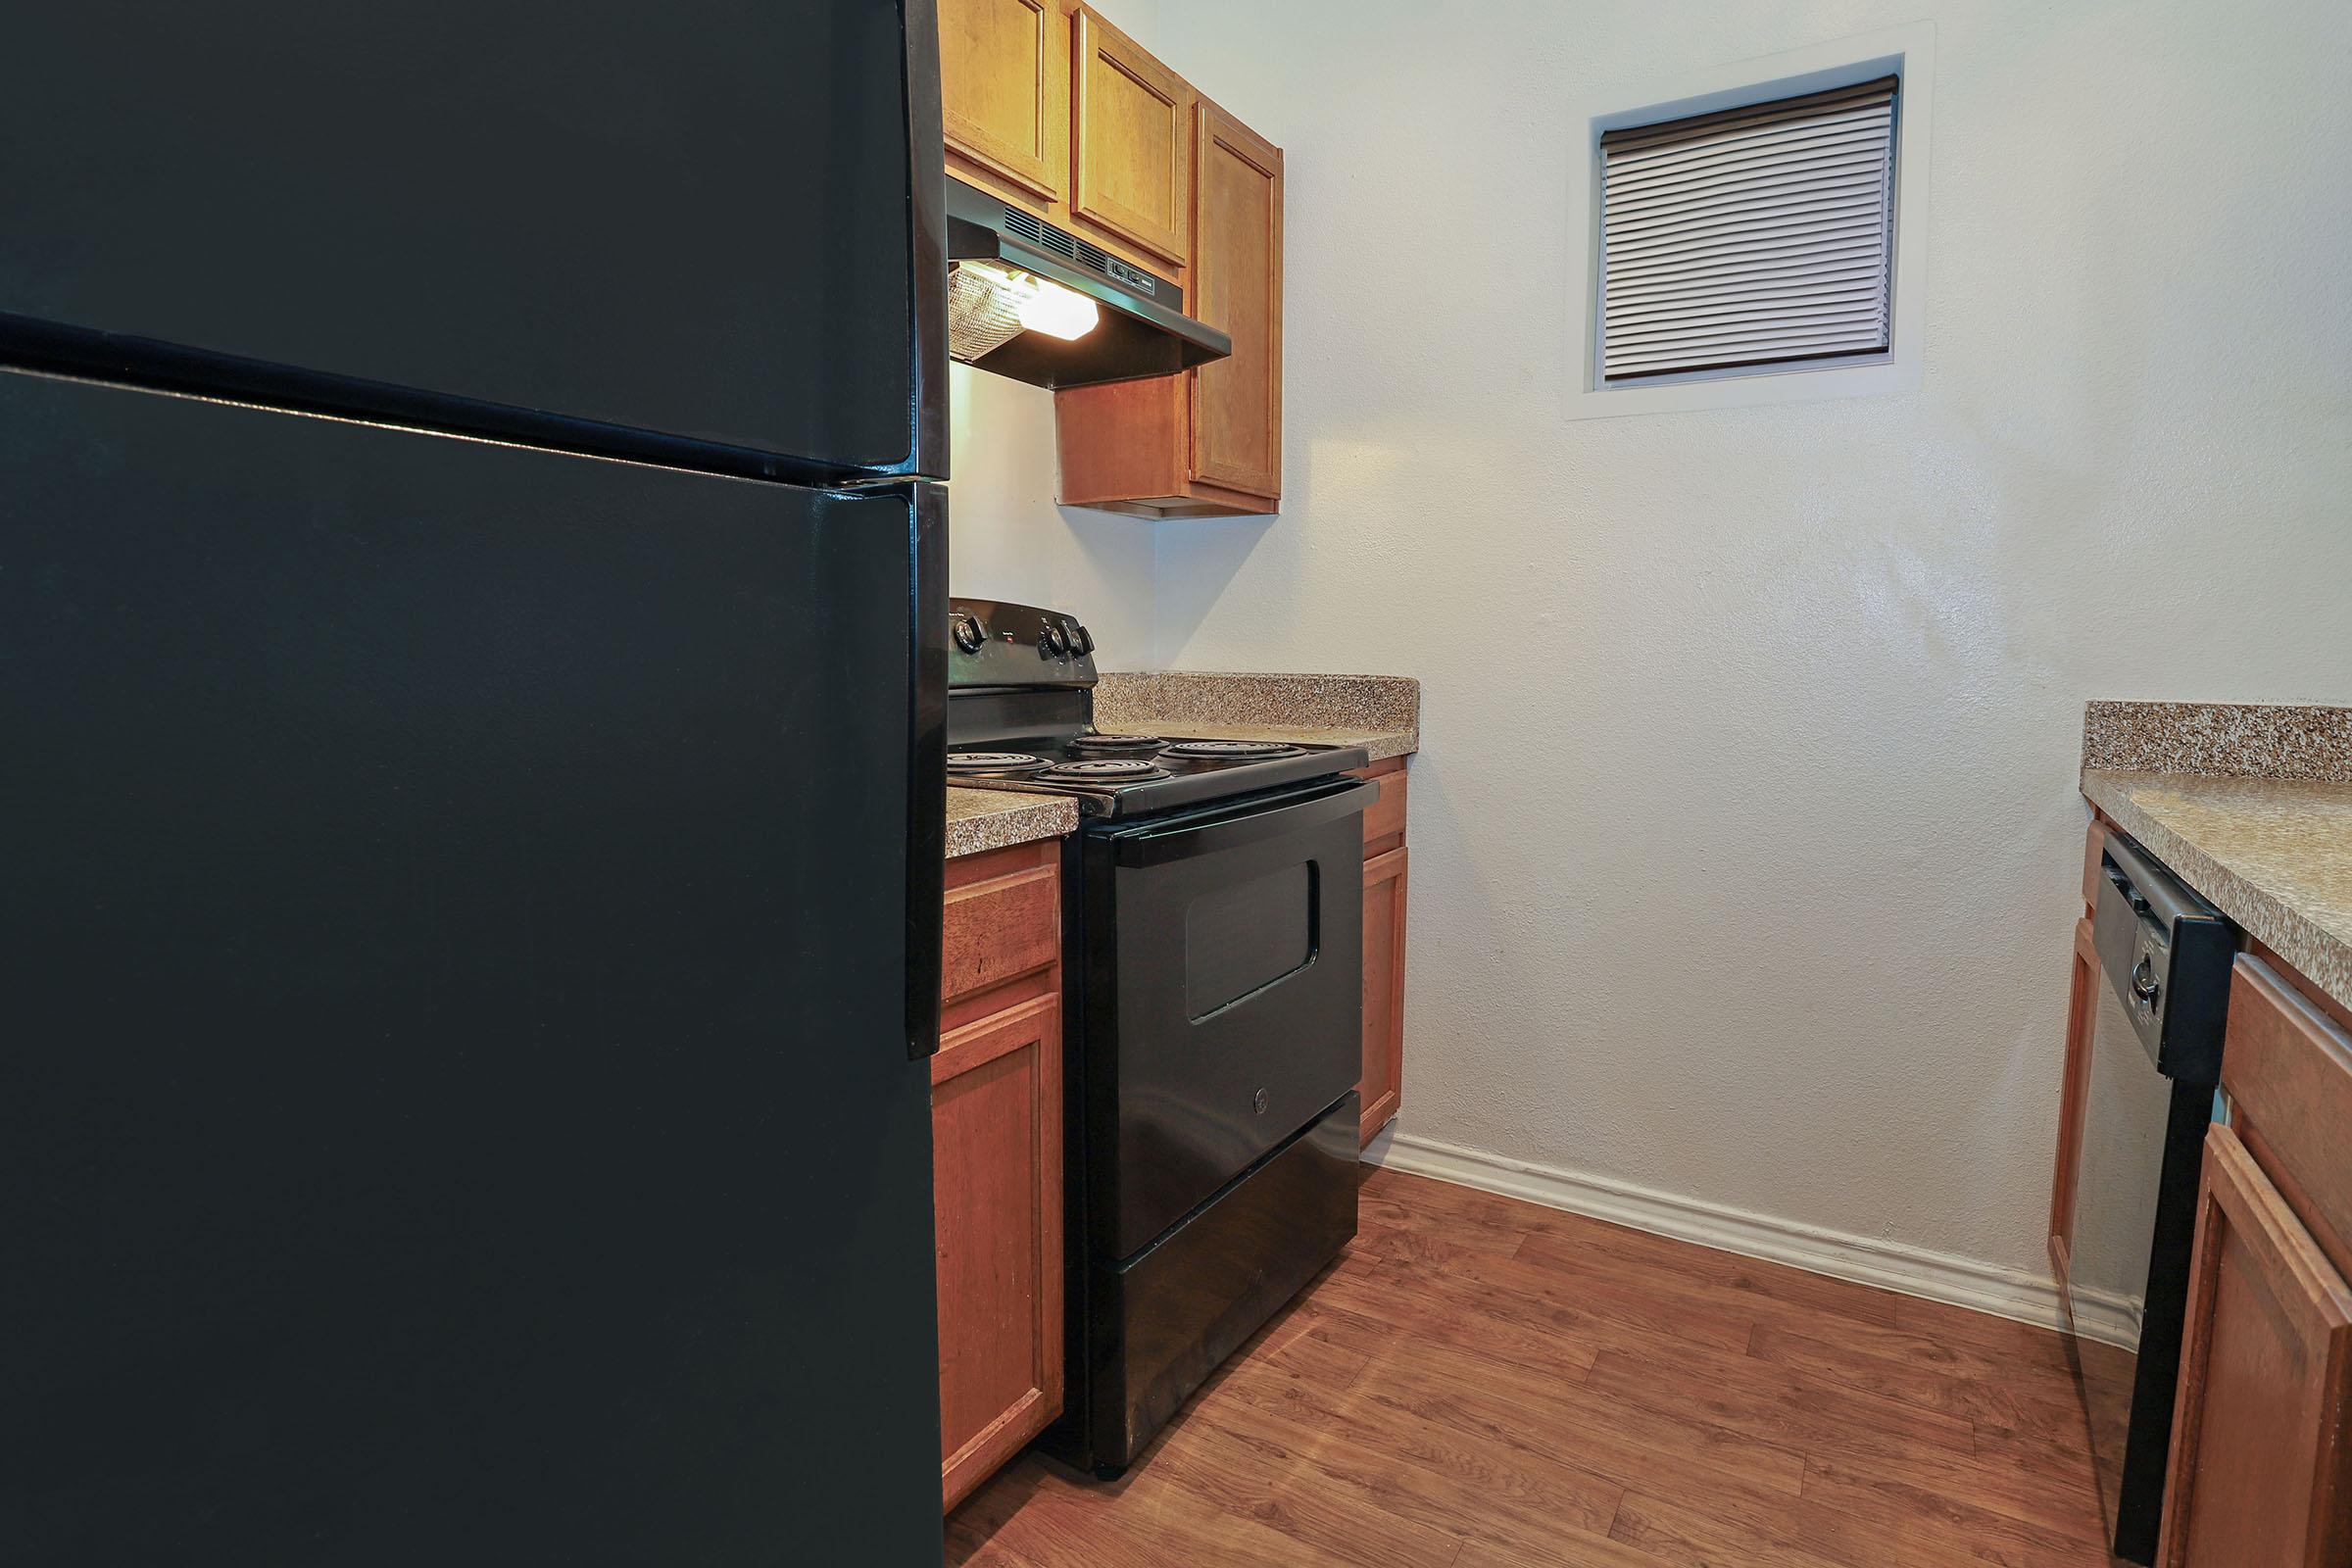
(1482,1383)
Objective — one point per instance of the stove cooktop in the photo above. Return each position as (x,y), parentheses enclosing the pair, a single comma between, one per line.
(1131,775)
(1021,716)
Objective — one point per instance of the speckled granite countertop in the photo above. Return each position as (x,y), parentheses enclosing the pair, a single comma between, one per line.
(993,819)
(2253,806)
(2238,739)
(1381,714)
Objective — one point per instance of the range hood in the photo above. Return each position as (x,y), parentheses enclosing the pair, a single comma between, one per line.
(1034,303)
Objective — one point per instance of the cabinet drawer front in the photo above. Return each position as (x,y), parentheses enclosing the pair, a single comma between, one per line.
(2258,1476)
(1000,929)
(2288,1070)
(1133,158)
(1004,68)
(1385,817)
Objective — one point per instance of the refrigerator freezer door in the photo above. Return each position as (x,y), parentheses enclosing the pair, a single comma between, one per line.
(704,232)
(456,1105)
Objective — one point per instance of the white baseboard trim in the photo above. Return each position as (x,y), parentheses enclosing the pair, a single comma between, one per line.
(1946,1277)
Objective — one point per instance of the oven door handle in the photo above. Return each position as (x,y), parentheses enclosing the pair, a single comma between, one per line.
(1187,841)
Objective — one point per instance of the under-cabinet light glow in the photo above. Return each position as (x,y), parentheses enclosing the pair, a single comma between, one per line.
(1060,312)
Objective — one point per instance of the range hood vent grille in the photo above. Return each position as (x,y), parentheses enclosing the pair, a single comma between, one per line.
(1072,248)
(1040,234)
(1045,236)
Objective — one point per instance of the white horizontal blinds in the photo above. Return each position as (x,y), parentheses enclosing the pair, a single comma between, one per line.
(1749,236)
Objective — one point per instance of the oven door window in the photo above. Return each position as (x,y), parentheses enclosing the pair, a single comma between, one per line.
(1239,940)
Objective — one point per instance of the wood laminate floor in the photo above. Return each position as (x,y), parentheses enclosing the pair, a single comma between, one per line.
(1482,1383)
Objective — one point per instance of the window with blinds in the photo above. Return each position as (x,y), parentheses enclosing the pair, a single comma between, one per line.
(1755,236)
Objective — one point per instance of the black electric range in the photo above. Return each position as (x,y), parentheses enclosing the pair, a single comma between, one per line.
(1212,1016)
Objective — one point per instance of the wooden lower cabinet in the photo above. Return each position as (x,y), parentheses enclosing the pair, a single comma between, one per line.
(2082,1019)
(2259,1444)
(1381,1086)
(997,1162)
(2082,1015)
(2261,1466)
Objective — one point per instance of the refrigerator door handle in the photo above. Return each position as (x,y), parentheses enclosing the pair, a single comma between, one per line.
(927,761)
(927,225)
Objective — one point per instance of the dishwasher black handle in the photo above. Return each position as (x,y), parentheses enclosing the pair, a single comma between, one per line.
(1244,824)
(2152,892)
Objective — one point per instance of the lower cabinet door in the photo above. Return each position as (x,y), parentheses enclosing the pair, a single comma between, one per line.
(1383,1083)
(996,1133)
(2261,1453)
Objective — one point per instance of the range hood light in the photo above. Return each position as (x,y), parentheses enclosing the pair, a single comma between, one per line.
(1061,312)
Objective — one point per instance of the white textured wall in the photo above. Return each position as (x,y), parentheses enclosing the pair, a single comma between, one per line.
(1744,836)
(1007,539)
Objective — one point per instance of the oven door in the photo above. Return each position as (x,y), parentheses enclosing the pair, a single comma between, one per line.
(1223,997)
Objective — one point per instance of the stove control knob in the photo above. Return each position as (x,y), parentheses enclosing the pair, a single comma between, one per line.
(1082,641)
(966,631)
(1050,643)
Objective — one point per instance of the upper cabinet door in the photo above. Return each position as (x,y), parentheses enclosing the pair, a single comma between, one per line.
(1237,287)
(1134,154)
(1004,78)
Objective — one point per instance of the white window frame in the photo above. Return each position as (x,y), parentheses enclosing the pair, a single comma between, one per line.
(1907,52)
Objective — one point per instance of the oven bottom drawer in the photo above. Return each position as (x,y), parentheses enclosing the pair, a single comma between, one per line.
(1159,1323)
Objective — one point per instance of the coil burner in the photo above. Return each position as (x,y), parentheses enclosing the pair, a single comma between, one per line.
(993,764)
(1103,770)
(1231,750)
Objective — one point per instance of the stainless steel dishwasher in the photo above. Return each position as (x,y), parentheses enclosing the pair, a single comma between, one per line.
(2155,1049)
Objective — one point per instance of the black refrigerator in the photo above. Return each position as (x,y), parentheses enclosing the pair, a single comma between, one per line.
(471,820)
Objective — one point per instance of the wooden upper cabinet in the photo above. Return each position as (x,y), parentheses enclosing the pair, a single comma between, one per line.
(1236,288)
(1005,83)
(1206,443)
(1055,110)
(1132,151)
